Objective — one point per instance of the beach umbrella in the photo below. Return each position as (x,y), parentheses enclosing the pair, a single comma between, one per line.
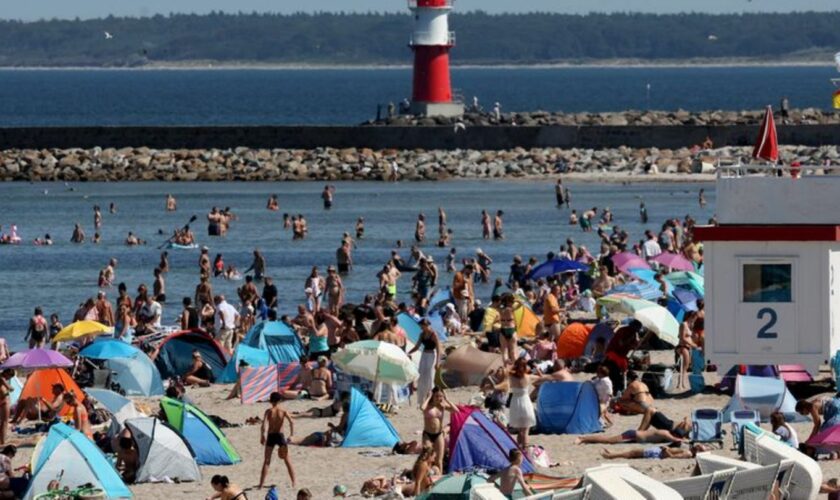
(81,329)
(453,487)
(674,261)
(626,261)
(556,266)
(645,291)
(646,275)
(652,316)
(34,359)
(688,280)
(376,361)
(109,349)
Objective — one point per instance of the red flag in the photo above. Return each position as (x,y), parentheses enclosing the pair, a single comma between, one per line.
(767,145)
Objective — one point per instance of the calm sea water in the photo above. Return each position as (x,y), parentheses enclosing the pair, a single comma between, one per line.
(59,277)
(213,97)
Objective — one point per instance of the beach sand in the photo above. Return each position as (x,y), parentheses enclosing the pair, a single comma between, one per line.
(319,469)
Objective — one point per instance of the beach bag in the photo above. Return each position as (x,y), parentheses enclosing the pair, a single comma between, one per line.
(272,494)
(538,456)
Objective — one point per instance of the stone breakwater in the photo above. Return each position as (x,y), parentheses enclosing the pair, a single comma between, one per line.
(808,116)
(327,164)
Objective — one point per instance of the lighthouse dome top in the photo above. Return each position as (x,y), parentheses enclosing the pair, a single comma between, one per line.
(433,4)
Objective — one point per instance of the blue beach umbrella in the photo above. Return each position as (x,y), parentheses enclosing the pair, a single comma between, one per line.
(556,266)
(109,349)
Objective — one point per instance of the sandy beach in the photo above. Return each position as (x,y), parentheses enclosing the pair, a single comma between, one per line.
(320,469)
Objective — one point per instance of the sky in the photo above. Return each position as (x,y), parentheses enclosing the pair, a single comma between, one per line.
(67,9)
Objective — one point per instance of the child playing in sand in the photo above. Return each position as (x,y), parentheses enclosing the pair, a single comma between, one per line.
(273,420)
(511,476)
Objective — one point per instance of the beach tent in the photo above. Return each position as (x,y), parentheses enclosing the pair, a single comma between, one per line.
(67,456)
(17,389)
(526,319)
(278,338)
(39,385)
(480,443)
(210,445)
(254,356)
(132,369)
(411,327)
(174,357)
(568,408)
(367,427)
(600,331)
(436,322)
(467,365)
(571,343)
(137,376)
(765,395)
(727,382)
(163,452)
(117,405)
(440,298)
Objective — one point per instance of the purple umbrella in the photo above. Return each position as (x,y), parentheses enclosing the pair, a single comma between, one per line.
(626,261)
(675,261)
(34,359)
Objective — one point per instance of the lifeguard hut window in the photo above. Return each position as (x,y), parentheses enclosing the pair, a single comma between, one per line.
(767,283)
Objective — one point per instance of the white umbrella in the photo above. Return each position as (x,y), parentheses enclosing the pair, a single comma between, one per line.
(376,361)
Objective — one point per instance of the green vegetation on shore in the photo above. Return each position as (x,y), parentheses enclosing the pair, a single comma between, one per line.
(363,39)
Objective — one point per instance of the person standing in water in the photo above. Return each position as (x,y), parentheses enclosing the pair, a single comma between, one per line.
(258,266)
(441,222)
(702,198)
(560,193)
(498,226)
(360,228)
(273,204)
(327,195)
(420,229)
(78,234)
(643,213)
(97,217)
(171,203)
(485,225)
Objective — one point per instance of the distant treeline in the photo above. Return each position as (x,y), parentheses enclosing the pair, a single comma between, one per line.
(355,39)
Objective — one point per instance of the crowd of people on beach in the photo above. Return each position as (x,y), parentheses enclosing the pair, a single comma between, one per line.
(327,320)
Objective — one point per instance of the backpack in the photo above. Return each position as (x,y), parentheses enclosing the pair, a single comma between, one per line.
(272,494)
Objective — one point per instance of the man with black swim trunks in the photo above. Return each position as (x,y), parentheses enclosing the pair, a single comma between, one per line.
(271,435)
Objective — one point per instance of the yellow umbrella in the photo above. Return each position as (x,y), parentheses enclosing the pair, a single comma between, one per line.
(80,329)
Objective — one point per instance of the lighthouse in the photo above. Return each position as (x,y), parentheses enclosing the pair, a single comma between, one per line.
(431,42)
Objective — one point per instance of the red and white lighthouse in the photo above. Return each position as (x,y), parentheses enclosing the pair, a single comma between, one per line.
(431,43)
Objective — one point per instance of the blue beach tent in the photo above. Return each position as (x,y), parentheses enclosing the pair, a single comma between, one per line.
(276,337)
(411,327)
(568,408)
(764,395)
(133,370)
(482,444)
(208,442)
(69,457)
(367,427)
(436,320)
(252,355)
(174,357)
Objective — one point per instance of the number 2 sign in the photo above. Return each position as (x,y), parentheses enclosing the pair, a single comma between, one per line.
(765,331)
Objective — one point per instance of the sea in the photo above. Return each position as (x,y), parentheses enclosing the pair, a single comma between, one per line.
(60,277)
(349,96)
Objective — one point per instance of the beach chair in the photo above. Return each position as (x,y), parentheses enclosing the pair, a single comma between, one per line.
(739,418)
(765,448)
(486,491)
(754,484)
(645,486)
(709,463)
(706,426)
(693,488)
(606,485)
(578,494)
(721,483)
(784,477)
(545,495)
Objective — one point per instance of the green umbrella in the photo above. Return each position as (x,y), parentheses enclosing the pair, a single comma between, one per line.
(453,487)
(376,361)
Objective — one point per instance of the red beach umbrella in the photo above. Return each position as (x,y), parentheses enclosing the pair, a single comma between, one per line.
(767,145)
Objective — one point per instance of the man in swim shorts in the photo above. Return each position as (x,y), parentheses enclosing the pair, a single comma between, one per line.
(271,435)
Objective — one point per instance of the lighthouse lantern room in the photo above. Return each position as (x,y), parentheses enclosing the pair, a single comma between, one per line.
(772,268)
(431,43)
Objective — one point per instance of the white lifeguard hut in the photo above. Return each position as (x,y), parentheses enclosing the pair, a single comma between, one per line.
(772,264)
(772,267)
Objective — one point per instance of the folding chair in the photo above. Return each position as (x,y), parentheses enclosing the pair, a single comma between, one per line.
(706,426)
(578,494)
(692,488)
(739,418)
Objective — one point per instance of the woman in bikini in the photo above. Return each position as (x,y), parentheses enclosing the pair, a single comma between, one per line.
(421,473)
(200,374)
(433,428)
(507,317)
(637,400)
(686,344)
(322,383)
(225,490)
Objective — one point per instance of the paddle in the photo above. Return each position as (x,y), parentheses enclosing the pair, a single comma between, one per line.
(192,219)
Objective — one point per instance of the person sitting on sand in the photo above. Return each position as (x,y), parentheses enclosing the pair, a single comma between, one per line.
(511,476)
(632,436)
(225,490)
(39,408)
(200,373)
(637,400)
(322,382)
(420,473)
(128,458)
(657,452)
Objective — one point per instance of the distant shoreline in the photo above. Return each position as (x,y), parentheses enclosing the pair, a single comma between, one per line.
(606,64)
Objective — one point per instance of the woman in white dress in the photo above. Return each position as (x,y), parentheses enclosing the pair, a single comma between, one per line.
(429,360)
(522,416)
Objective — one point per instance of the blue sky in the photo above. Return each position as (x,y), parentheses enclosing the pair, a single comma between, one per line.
(38,9)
